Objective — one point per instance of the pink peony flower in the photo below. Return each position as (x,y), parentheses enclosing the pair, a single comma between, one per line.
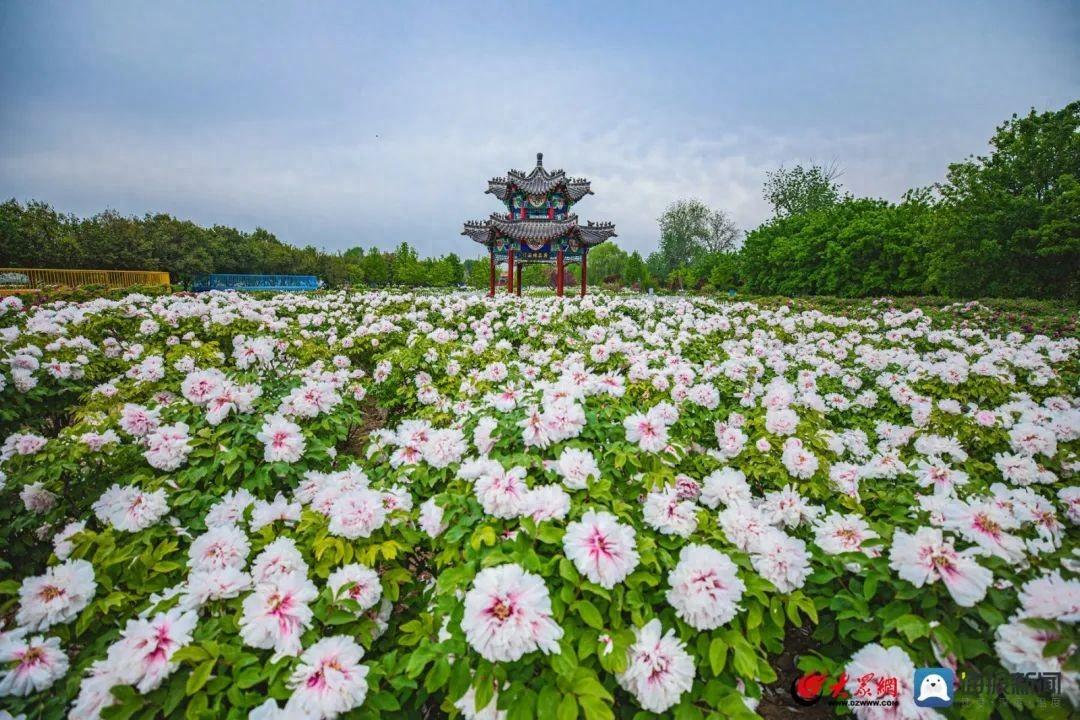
(649,432)
(219,548)
(357,514)
(431,518)
(870,670)
(665,512)
(837,533)
(501,492)
(782,560)
(576,466)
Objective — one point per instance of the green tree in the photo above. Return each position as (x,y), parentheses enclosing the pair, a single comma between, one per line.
(537,275)
(606,262)
(455,270)
(856,247)
(683,228)
(479,273)
(1003,227)
(689,229)
(636,272)
(801,190)
(376,267)
(657,266)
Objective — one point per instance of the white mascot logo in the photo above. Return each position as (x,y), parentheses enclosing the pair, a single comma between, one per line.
(933,686)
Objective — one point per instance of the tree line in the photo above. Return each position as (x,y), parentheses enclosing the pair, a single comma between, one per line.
(1004,225)
(36,235)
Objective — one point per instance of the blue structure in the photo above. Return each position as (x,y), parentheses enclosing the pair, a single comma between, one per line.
(261,283)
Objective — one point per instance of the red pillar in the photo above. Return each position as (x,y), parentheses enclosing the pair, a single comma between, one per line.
(518,286)
(584,271)
(491,273)
(559,278)
(510,271)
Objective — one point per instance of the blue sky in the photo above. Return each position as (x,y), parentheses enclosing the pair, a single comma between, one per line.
(372,123)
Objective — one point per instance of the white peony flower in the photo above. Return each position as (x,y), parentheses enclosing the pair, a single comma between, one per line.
(705,587)
(601,548)
(659,670)
(57,596)
(276,615)
(329,680)
(30,665)
(782,560)
(508,614)
(357,582)
(669,514)
(925,556)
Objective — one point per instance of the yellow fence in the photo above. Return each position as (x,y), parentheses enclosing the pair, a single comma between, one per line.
(22,280)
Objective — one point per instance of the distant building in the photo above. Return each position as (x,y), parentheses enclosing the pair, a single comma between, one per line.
(538,226)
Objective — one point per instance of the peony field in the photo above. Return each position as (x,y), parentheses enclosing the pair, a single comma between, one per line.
(392,504)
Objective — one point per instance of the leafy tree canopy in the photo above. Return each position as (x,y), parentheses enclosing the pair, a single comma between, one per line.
(798,190)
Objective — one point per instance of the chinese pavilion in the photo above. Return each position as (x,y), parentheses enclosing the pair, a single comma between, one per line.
(537,226)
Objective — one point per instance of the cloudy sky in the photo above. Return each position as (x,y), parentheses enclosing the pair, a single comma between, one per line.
(372,123)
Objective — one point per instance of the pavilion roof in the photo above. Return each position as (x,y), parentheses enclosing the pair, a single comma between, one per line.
(595,233)
(539,181)
(535,230)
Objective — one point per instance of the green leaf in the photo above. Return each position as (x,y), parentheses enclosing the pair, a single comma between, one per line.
(589,614)
(912,626)
(548,533)
(870,586)
(776,612)
(384,701)
(194,653)
(547,703)
(484,687)
(744,660)
(196,707)
(806,604)
(717,655)
(686,710)
(587,684)
(568,708)
(340,617)
(990,615)
(199,676)
(249,677)
(1057,648)
(460,679)
(565,662)
(568,572)
(523,707)
(595,708)
(753,616)
(438,675)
